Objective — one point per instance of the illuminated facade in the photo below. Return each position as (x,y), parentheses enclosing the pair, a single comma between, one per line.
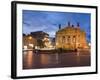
(36,40)
(47,42)
(39,36)
(29,42)
(71,38)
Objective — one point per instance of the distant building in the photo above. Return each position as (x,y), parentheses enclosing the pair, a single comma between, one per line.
(47,42)
(52,39)
(40,35)
(29,42)
(71,38)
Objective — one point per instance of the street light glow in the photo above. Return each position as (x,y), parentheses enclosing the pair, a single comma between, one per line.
(30,37)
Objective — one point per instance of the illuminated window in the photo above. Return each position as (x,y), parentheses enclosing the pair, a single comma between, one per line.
(68,39)
(63,39)
(74,39)
(25,47)
(31,45)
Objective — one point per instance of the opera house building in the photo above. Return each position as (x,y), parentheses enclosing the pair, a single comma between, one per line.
(71,38)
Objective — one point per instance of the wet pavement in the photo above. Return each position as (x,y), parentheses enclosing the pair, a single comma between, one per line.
(33,60)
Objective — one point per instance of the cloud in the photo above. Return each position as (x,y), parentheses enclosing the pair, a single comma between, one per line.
(48,21)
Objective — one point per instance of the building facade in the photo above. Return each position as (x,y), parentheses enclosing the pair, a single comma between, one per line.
(47,43)
(40,36)
(29,42)
(71,38)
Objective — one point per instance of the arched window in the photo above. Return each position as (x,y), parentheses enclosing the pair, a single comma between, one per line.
(74,39)
(63,39)
(68,39)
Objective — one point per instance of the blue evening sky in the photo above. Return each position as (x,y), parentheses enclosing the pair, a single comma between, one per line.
(48,21)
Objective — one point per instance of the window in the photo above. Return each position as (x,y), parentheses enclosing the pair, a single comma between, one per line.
(74,39)
(63,39)
(68,39)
